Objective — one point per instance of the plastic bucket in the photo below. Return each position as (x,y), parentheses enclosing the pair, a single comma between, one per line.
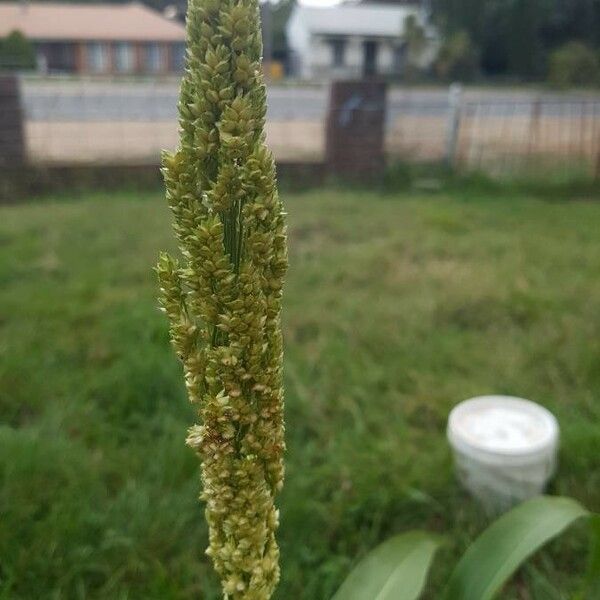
(504,449)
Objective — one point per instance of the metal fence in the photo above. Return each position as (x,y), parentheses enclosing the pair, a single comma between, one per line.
(501,131)
(544,134)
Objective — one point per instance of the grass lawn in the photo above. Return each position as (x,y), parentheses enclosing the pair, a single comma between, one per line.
(397,308)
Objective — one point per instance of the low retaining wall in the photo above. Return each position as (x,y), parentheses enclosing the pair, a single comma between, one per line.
(21,182)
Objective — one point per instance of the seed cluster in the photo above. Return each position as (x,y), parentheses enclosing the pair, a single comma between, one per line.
(223,298)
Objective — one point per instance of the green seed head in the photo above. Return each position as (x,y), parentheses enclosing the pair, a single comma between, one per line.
(223,299)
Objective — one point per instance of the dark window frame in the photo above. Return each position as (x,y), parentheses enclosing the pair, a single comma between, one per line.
(338,47)
(371,48)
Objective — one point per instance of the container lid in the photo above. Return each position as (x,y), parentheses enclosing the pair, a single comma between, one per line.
(502,427)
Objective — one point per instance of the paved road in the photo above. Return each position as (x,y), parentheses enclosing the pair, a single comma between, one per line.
(143,101)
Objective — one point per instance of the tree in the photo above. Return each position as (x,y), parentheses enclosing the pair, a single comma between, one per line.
(458,59)
(16,52)
(524,45)
(397,2)
(281,12)
(416,41)
(516,36)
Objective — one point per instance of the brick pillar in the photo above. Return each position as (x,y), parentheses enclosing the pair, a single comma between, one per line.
(356,128)
(166,58)
(12,136)
(80,58)
(140,63)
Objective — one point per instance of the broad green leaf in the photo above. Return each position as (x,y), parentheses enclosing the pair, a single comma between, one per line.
(395,570)
(507,544)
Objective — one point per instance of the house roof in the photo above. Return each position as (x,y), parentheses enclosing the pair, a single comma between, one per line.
(363,19)
(103,22)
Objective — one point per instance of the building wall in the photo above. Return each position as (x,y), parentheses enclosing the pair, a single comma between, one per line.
(59,57)
(110,58)
(319,59)
(310,54)
(298,40)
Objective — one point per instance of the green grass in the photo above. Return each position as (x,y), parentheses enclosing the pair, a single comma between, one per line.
(397,307)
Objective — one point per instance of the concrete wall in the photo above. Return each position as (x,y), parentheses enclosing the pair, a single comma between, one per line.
(12,140)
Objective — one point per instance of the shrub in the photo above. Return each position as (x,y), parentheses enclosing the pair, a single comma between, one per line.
(574,64)
(416,43)
(16,52)
(458,58)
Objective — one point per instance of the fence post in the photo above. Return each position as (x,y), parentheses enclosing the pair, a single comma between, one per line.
(356,128)
(12,137)
(597,170)
(455,107)
(534,126)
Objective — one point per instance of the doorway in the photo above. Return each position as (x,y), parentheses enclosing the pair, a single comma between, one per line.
(370,50)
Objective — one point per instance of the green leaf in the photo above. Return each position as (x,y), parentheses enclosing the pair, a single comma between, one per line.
(507,544)
(395,570)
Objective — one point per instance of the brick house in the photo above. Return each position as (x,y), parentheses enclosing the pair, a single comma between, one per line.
(97,39)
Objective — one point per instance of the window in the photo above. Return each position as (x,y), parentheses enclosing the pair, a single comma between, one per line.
(371,50)
(338,52)
(124,57)
(154,57)
(97,57)
(178,57)
(58,57)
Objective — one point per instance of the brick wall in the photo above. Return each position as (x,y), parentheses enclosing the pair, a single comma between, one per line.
(355,128)
(12,141)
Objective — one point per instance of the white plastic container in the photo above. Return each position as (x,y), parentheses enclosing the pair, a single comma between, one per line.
(504,448)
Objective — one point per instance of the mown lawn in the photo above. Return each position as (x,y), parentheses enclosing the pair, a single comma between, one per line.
(397,308)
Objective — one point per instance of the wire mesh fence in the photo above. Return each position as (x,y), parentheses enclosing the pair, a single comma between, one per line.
(129,122)
(501,135)
(544,134)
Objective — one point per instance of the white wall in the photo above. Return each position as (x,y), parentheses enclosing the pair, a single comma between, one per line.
(385,57)
(311,55)
(298,40)
(319,58)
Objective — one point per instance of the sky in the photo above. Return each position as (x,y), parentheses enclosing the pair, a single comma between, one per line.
(319,2)
(313,2)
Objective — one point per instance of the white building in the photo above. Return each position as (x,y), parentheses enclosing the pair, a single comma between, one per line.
(348,41)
